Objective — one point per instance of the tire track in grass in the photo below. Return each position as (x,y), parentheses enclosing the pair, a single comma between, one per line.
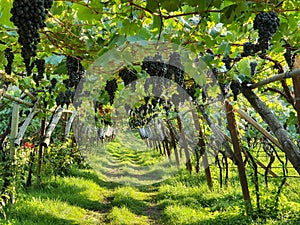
(128,204)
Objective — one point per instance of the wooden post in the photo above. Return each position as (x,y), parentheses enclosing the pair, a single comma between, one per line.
(69,124)
(173,143)
(13,135)
(52,126)
(202,152)
(41,152)
(185,145)
(14,129)
(237,151)
(24,126)
(296,86)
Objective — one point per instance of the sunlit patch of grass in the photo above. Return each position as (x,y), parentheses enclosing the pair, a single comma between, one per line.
(130,198)
(123,216)
(182,215)
(46,212)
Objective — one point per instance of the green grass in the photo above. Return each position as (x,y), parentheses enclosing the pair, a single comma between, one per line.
(123,216)
(89,197)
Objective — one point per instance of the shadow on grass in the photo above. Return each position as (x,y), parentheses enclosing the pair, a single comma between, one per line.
(95,178)
(134,205)
(72,193)
(31,216)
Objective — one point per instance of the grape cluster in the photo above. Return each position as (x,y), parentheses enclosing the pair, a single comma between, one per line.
(128,75)
(53,84)
(111,87)
(267,25)
(75,71)
(289,58)
(48,4)
(147,111)
(40,65)
(29,16)
(176,69)
(154,66)
(227,61)
(253,66)
(64,98)
(248,48)
(9,55)
(235,87)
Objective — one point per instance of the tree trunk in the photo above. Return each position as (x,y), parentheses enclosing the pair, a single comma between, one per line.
(290,149)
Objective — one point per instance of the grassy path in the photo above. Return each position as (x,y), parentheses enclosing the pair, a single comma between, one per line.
(92,197)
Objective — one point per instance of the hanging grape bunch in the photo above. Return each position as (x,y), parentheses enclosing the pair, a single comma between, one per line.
(40,65)
(154,66)
(9,55)
(267,25)
(128,76)
(111,88)
(176,69)
(235,87)
(289,58)
(253,66)
(75,71)
(29,16)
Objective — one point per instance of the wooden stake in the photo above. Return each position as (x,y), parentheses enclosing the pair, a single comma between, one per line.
(13,135)
(69,124)
(24,126)
(202,152)
(52,126)
(237,151)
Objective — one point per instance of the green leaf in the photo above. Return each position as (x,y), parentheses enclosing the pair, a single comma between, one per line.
(244,67)
(202,4)
(152,5)
(228,14)
(5,6)
(170,5)
(54,59)
(224,48)
(84,13)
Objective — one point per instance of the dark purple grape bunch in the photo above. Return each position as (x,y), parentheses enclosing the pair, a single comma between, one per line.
(235,87)
(250,49)
(267,25)
(227,62)
(9,55)
(111,88)
(289,58)
(29,16)
(75,71)
(154,66)
(128,75)
(64,98)
(253,66)
(40,65)
(175,69)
